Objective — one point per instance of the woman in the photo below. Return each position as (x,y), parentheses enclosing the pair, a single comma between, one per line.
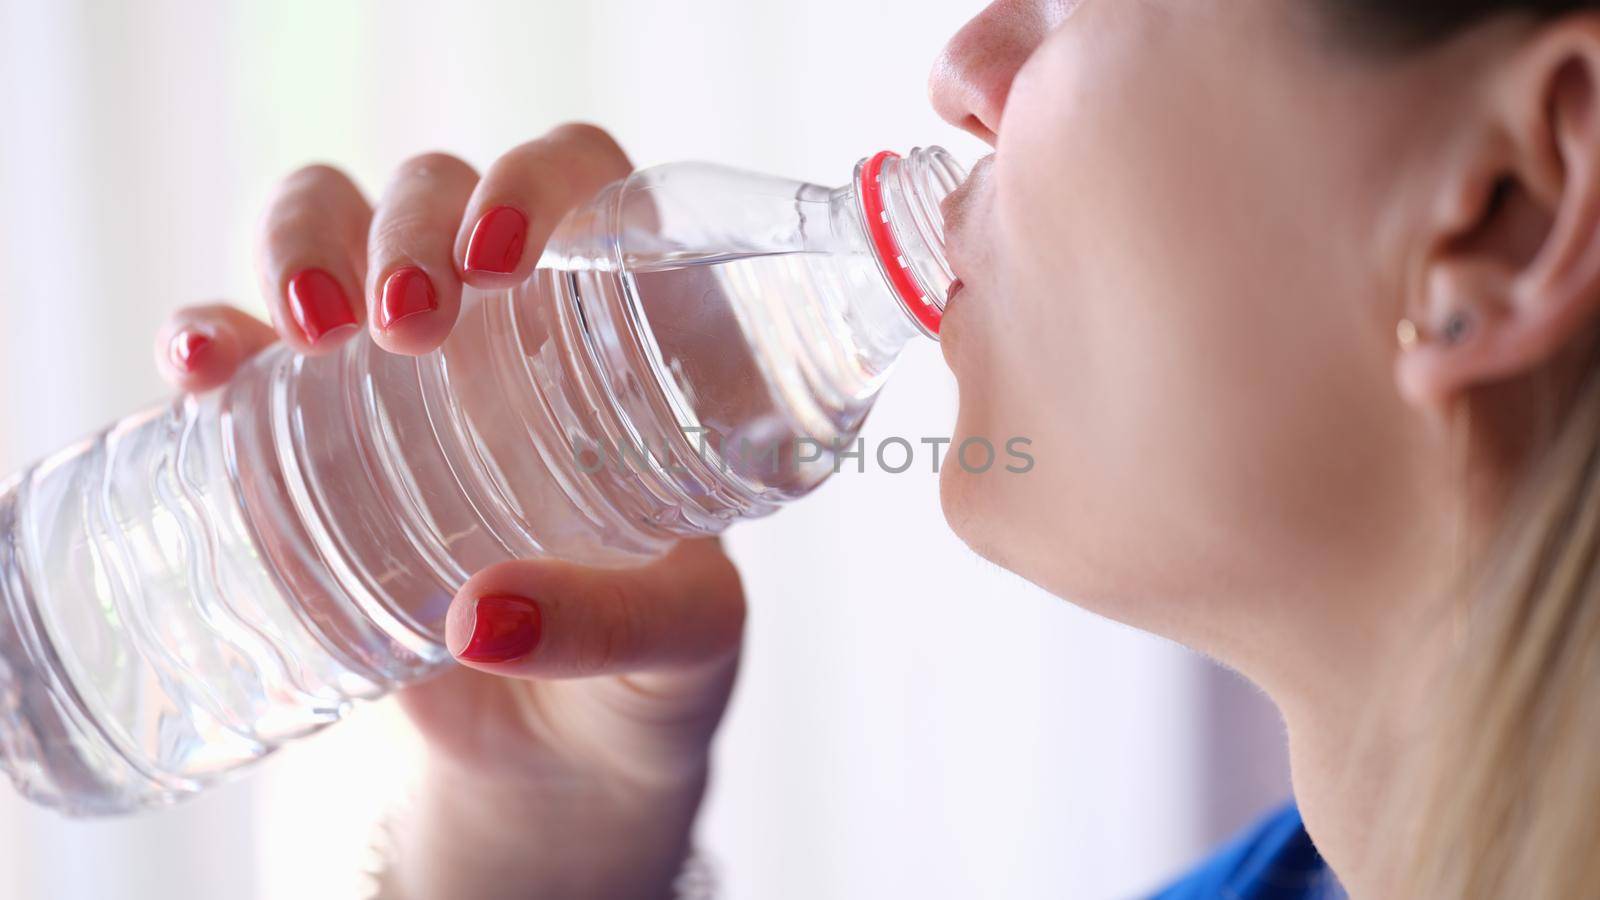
(1327,273)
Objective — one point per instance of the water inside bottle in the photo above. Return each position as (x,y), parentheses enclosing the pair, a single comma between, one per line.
(205,581)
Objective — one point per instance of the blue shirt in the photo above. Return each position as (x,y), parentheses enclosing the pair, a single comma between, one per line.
(1272,860)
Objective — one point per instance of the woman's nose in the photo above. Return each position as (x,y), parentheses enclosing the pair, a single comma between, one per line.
(972,77)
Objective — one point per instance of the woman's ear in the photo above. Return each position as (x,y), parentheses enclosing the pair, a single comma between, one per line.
(1511,273)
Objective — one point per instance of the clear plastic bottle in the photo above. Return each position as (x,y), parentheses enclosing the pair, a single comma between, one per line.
(204,581)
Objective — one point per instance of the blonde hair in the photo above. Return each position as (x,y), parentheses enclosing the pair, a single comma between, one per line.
(1504,798)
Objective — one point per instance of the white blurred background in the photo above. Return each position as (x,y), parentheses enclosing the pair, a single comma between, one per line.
(912,722)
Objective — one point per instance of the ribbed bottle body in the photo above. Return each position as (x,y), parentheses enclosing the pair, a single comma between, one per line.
(202,582)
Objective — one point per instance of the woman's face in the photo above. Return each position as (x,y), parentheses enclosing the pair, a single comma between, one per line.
(1182,277)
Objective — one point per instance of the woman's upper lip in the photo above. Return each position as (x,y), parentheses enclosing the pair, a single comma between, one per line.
(956,207)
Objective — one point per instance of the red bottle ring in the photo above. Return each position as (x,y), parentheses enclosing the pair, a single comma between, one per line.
(890,257)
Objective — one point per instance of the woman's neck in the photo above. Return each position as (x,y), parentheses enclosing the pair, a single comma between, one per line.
(1350,729)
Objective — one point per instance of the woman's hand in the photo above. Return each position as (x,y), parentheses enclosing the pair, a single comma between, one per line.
(570,755)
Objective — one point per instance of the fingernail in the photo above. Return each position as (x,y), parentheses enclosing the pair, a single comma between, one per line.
(504,628)
(185,348)
(496,242)
(407,292)
(318,304)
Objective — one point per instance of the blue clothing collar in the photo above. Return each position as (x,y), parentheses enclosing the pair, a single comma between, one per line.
(1272,860)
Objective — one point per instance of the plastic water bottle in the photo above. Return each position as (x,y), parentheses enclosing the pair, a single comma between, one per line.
(204,581)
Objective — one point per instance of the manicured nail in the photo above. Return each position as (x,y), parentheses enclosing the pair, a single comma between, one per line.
(504,628)
(318,304)
(496,242)
(185,348)
(407,292)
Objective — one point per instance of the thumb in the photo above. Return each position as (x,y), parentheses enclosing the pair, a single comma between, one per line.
(545,618)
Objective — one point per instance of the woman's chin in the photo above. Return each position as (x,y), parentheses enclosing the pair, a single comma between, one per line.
(973,503)
(962,502)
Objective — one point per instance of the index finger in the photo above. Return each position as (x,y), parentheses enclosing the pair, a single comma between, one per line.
(312,258)
(525,194)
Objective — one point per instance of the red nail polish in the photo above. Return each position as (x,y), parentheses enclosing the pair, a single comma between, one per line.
(406,292)
(185,348)
(496,242)
(318,304)
(503,628)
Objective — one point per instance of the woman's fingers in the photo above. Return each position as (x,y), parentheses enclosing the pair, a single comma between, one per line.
(523,196)
(412,286)
(312,256)
(549,619)
(325,257)
(201,346)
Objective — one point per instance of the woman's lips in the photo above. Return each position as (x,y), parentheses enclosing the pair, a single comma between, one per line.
(957,210)
(963,216)
(956,204)
(950,326)
(957,287)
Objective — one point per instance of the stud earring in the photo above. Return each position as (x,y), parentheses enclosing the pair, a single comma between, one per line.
(1456,328)
(1406,334)
(1454,331)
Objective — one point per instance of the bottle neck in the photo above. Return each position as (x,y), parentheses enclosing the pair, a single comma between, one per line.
(891,279)
(897,202)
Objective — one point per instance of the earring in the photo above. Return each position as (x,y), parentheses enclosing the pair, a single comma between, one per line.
(1454,331)
(1406,334)
(1456,328)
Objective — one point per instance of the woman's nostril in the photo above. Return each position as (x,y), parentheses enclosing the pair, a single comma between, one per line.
(975,127)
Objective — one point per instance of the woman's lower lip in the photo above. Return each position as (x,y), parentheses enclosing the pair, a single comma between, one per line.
(956,289)
(948,325)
